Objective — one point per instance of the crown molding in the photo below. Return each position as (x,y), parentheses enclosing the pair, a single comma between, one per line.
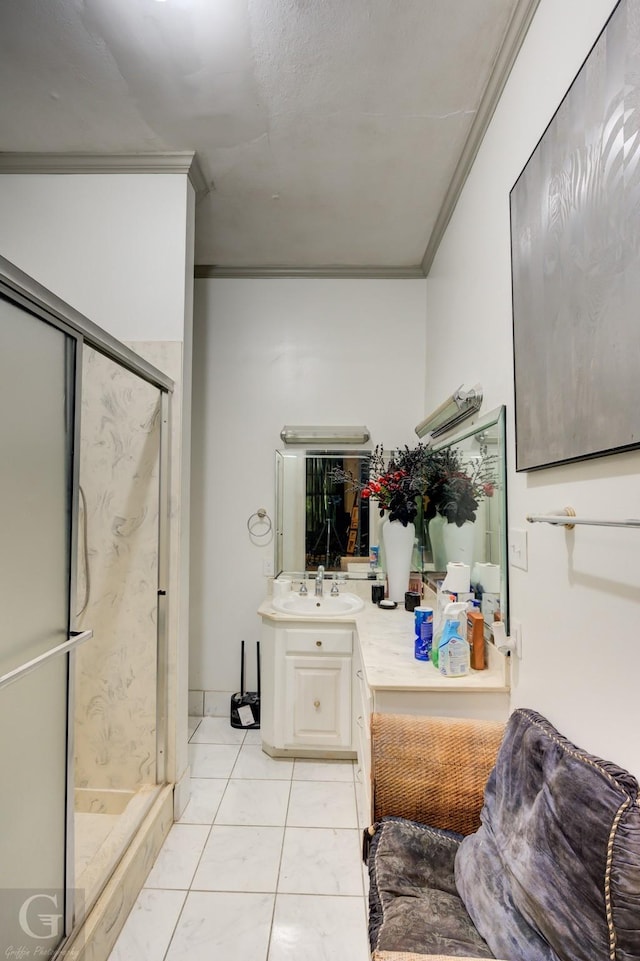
(208,271)
(515,33)
(164,162)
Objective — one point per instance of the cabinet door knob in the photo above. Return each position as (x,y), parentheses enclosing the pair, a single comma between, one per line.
(318,643)
(316,704)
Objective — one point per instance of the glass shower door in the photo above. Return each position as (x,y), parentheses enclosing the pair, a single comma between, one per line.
(36,430)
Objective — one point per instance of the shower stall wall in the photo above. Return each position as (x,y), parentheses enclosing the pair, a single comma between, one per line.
(117,675)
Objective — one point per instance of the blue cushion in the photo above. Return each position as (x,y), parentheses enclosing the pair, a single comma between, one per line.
(413,902)
(553,873)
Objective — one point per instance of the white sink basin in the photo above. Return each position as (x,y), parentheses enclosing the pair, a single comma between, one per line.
(308,605)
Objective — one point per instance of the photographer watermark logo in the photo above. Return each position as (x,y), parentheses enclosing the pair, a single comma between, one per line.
(37,919)
(33,923)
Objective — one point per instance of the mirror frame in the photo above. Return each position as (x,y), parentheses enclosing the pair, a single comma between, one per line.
(291,514)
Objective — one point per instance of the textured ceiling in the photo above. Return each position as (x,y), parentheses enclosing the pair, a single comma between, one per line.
(328,131)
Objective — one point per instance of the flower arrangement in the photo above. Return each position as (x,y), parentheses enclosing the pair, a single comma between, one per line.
(396,484)
(441,478)
(456,488)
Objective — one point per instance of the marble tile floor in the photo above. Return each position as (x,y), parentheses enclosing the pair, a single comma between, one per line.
(264,864)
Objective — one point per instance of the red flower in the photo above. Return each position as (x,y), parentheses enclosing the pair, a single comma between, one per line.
(365,493)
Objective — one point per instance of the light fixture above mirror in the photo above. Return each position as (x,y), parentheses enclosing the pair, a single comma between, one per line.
(462,404)
(325,435)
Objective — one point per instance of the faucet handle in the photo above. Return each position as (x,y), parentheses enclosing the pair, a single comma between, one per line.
(303,586)
(334,586)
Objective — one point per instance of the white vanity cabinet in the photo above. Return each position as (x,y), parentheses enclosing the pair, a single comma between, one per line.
(322,680)
(306,690)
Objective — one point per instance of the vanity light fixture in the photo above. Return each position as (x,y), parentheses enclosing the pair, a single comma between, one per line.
(455,409)
(325,435)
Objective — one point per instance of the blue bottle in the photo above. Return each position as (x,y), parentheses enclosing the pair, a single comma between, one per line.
(424,632)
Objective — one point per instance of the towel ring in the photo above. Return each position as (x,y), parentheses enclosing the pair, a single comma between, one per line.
(263,518)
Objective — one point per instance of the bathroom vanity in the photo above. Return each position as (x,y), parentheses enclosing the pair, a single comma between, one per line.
(323,676)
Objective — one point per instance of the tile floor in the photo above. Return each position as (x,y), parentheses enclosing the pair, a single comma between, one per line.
(264,864)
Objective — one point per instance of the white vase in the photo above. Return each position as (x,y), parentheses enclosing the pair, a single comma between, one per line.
(436,525)
(398,548)
(459,542)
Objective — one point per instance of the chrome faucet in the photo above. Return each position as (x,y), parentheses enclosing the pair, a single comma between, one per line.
(319,580)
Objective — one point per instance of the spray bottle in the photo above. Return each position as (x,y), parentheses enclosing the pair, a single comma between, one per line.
(453,648)
(450,609)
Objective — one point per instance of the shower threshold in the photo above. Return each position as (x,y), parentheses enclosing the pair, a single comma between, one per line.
(105,823)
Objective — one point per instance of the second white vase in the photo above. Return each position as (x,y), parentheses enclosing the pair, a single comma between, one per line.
(459,542)
(436,525)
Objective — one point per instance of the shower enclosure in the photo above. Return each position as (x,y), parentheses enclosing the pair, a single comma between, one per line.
(83,578)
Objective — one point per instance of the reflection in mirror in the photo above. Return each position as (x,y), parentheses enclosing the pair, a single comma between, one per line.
(318,519)
(480,443)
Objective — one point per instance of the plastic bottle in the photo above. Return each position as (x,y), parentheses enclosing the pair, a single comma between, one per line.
(423,644)
(453,608)
(475,637)
(453,648)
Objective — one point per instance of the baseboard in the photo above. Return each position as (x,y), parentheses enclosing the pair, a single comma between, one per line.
(209,703)
(181,794)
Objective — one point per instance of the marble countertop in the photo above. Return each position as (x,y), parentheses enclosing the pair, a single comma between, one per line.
(386,641)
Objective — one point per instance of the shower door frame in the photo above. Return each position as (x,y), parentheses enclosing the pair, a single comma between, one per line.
(21,289)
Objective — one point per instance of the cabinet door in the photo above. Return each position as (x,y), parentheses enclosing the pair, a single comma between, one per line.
(318,701)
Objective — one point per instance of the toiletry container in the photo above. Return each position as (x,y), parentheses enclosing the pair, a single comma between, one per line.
(451,609)
(423,644)
(453,650)
(475,637)
(412,600)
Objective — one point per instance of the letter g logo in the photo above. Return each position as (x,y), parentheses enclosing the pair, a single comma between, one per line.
(50,923)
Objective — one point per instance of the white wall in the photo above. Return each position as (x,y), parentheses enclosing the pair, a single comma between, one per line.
(119,248)
(111,245)
(269,353)
(579,601)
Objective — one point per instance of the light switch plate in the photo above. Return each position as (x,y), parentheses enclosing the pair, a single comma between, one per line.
(518,548)
(515,629)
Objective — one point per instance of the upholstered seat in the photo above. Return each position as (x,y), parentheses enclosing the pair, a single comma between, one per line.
(547,868)
(415,904)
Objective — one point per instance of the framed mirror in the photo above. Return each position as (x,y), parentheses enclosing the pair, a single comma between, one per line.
(318,519)
(481,449)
